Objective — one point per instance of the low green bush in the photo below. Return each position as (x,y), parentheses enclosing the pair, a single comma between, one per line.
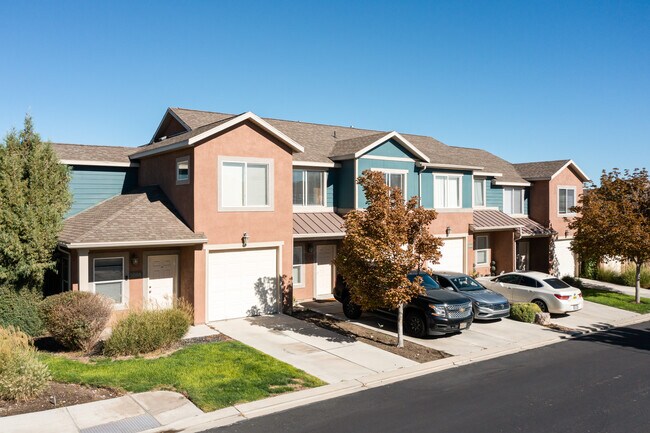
(524,312)
(76,319)
(22,375)
(21,309)
(573,281)
(149,330)
(629,276)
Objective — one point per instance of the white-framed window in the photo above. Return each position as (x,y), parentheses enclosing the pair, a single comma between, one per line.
(513,200)
(566,199)
(447,191)
(298,268)
(481,250)
(480,190)
(394,178)
(308,188)
(183,170)
(108,278)
(245,184)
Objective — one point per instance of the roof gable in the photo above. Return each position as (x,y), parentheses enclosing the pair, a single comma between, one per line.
(547,170)
(356,147)
(171,124)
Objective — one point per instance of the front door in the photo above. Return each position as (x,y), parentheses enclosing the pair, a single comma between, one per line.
(522,256)
(325,270)
(163,271)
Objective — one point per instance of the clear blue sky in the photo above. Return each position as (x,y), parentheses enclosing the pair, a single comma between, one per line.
(525,80)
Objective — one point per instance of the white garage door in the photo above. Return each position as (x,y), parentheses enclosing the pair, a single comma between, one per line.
(242,283)
(453,257)
(565,258)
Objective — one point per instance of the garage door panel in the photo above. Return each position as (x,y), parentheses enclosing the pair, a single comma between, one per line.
(242,283)
(565,258)
(452,256)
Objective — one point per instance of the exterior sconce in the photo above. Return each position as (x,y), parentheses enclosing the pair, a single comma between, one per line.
(244,239)
(448,230)
(134,259)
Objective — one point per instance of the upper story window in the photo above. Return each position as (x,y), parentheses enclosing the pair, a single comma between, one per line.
(479,192)
(447,191)
(566,200)
(308,188)
(183,170)
(245,184)
(513,200)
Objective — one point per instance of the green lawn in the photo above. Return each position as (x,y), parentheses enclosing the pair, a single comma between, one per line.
(213,375)
(618,300)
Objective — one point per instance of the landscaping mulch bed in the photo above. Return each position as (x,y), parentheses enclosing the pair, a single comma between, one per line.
(412,351)
(58,395)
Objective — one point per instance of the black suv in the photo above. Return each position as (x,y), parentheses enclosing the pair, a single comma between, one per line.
(435,312)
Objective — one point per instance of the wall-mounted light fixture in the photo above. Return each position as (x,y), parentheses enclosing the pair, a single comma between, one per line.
(244,239)
(134,259)
(448,230)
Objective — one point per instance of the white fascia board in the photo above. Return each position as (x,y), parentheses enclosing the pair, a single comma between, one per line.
(99,163)
(500,183)
(340,235)
(397,136)
(581,173)
(255,119)
(487,174)
(315,164)
(450,166)
(169,111)
(161,149)
(165,242)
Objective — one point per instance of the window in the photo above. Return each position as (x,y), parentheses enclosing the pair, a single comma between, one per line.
(529,282)
(183,170)
(508,279)
(479,192)
(308,188)
(513,200)
(567,200)
(446,191)
(396,180)
(245,184)
(108,276)
(298,268)
(481,252)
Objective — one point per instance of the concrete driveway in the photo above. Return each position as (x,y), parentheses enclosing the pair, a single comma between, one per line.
(493,335)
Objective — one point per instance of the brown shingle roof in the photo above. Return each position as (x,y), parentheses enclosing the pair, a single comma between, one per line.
(143,215)
(90,153)
(317,224)
(353,145)
(541,170)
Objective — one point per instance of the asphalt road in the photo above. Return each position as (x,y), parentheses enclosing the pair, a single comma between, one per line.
(598,383)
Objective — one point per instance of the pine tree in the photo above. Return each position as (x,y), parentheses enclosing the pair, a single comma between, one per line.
(34,198)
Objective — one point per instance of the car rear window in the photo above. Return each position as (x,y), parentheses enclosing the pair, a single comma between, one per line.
(556,283)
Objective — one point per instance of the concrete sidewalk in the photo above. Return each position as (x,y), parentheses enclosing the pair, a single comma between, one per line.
(322,353)
(594,284)
(130,413)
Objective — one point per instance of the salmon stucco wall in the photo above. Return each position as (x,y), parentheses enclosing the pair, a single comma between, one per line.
(566,177)
(502,245)
(458,221)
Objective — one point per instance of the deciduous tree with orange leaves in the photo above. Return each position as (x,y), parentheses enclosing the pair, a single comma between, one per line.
(382,244)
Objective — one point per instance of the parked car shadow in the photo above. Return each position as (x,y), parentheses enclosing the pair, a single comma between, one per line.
(280,323)
(624,337)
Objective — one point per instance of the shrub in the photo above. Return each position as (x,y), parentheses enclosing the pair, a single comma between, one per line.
(76,319)
(629,276)
(524,312)
(149,330)
(22,375)
(573,281)
(21,309)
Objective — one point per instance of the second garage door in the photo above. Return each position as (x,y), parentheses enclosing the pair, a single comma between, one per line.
(242,283)
(453,256)
(565,258)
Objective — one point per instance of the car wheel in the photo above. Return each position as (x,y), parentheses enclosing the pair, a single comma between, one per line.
(415,325)
(541,304)
(351,310)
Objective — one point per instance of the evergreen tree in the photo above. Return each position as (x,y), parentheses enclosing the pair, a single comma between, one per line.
(34,198)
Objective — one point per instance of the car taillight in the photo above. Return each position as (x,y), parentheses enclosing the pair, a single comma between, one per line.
(580,294)
(562,297)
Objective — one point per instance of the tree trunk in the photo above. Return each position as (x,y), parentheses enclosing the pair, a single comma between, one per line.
(400,327)
(637,291)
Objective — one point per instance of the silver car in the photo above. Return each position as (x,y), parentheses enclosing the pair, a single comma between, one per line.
(487,304)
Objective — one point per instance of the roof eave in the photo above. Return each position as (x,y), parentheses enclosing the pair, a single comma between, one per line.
(397,136)
(449,166)
(161,242)
(98,163)
(175,116)
(506,183)
(162,149)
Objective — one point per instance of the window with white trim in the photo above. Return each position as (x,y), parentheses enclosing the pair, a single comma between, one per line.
(481,250)
(298,268)
(396,180)
(245,184)
(513,200)
(447,191)
(108,277)
(308,188)
(479,192)
(183,170)
(566,200)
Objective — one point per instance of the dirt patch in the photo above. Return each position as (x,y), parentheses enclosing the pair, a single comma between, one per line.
(412,351)
(58,395)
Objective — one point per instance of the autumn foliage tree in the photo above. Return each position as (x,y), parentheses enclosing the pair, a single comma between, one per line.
(382,244)
(614,220)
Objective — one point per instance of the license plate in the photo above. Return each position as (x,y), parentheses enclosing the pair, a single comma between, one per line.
(575,307)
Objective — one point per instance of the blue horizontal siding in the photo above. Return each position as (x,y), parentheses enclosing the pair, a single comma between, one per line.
(392,149)
(92,185)
(494,196)
(411,176)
